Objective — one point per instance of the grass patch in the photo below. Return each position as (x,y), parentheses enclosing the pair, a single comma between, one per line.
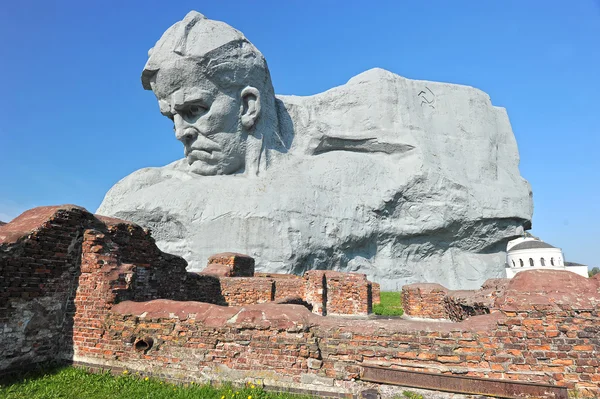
(75,383)
(391,304)
(411,395)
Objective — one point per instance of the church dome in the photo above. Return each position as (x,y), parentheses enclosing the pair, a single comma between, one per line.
(531,253)
(530,244)
(528,253)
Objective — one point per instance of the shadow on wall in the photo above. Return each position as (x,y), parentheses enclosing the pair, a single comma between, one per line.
(40,259)
(58,261)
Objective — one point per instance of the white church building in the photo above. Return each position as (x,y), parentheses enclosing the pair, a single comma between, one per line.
(527,253)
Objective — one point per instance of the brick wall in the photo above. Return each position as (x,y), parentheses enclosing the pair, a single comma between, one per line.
(289,287)
(375,291)
(240,291)
(230,264)
(557,346)
(432,301)
(56,259)
(464,304)
(316,290)
(328,292)
(337,293)
(154,274)
(543,327)
(39,266)
(348,293)
(59,258)
(287,343)
(333,293)
(424,301)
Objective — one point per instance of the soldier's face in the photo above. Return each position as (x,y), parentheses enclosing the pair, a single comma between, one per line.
(206,120)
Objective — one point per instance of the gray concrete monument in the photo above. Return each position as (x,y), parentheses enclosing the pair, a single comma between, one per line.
(404,180)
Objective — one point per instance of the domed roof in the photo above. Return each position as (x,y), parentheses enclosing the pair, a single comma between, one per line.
(573,264)
(530,244)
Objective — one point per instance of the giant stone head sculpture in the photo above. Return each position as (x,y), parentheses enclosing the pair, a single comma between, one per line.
(216,88)
(405,180)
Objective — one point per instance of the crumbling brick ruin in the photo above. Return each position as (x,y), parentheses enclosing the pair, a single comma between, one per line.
(58,263)
(432,301)
(325,292)
(96,291)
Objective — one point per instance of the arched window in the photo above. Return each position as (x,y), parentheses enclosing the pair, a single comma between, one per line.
(543,262)
(530,261)
(514,263)
(552,261)
(559,261)
(521,261)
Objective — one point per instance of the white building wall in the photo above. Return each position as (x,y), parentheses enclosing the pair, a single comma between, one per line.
(581,270)
(552,258)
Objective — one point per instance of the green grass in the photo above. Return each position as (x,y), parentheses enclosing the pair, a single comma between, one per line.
(391,304)
(75,383)
(411,395)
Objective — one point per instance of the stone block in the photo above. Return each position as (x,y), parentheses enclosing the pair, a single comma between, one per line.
(314,364)
(229,264)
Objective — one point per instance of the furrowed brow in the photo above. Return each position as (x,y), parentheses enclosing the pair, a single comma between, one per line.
(193,96)
(165,108)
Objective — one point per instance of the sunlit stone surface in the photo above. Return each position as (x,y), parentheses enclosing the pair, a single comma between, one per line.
(404,180)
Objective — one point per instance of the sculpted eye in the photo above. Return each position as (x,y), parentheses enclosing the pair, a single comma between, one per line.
(194,110)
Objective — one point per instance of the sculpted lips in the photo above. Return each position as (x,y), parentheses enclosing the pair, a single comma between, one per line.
(202,149)
(202,155)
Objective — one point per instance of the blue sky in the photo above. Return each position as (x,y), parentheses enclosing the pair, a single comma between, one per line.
(74,118)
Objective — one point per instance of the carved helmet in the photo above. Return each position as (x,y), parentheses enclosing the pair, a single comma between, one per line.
(221,51)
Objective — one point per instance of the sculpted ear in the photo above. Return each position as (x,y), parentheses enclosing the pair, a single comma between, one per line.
(251,106)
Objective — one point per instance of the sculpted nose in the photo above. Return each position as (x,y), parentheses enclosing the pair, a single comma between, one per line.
(183,132)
